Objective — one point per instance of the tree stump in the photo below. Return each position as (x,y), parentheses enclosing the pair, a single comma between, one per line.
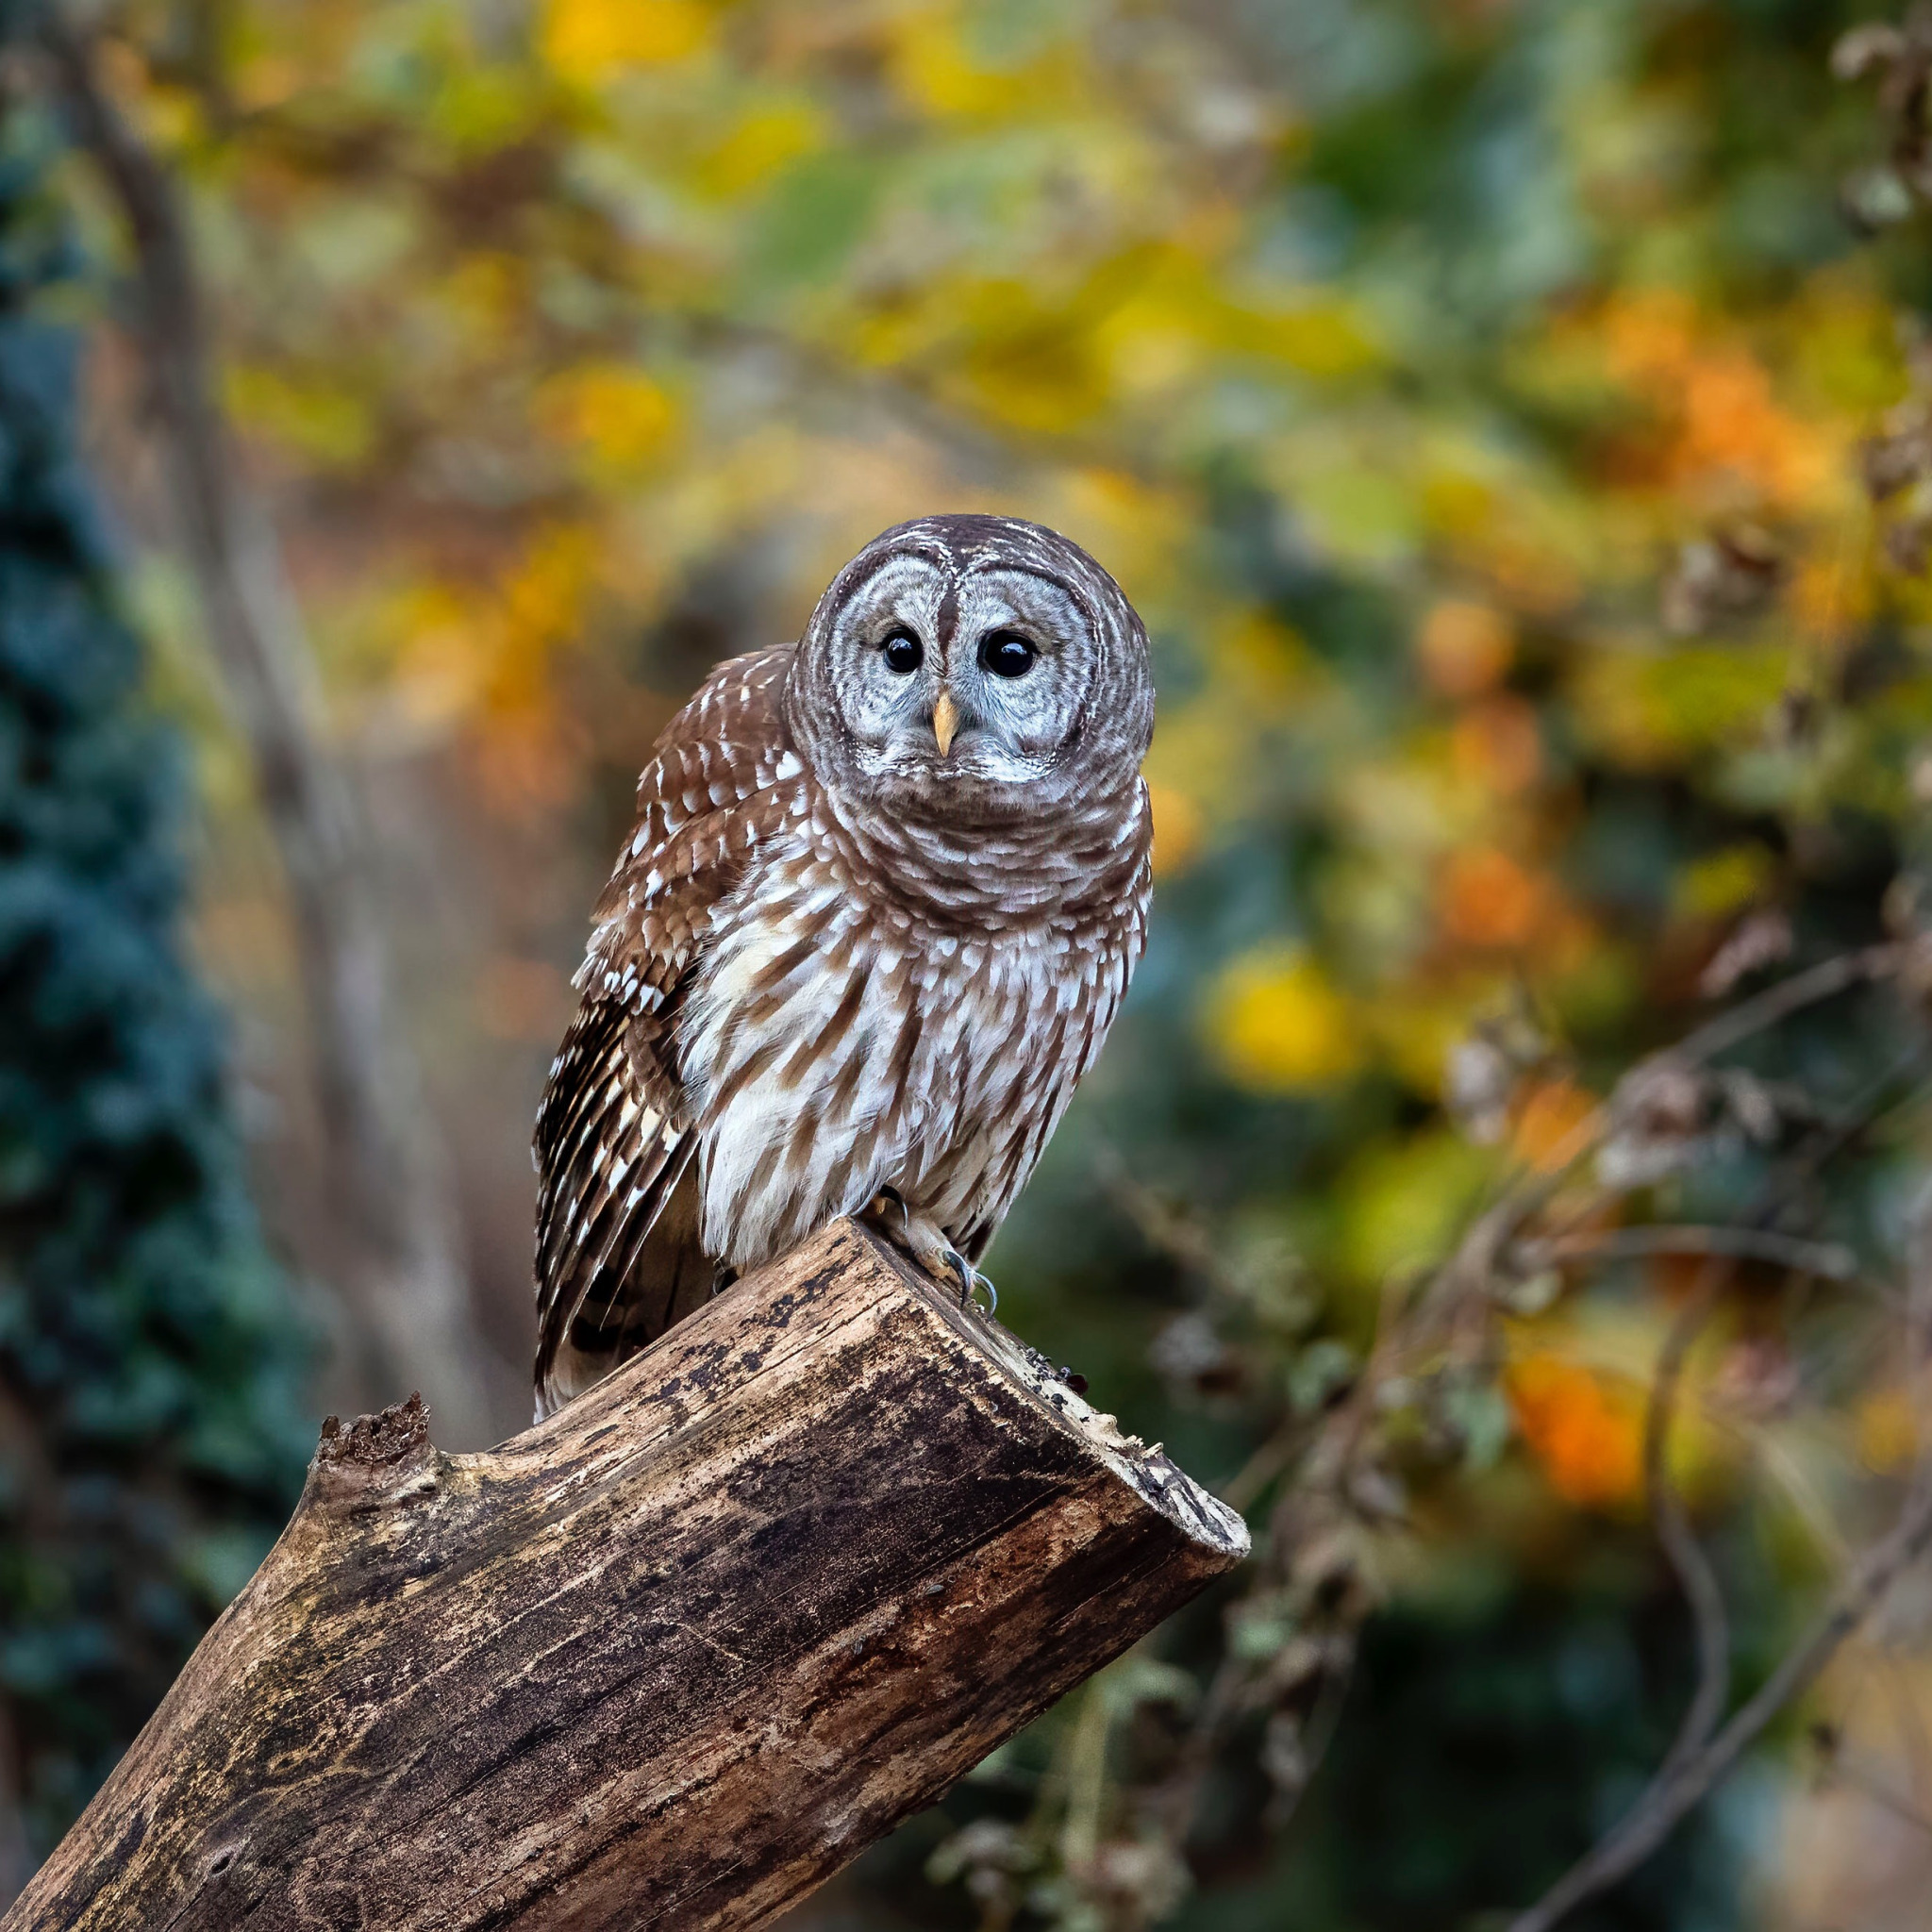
(669,1659)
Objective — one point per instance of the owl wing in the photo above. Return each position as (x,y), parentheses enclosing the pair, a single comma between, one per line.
(618,1258)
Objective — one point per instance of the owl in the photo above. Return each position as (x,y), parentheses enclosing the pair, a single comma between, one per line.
(883,895)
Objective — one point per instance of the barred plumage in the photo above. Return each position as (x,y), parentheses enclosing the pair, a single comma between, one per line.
(882,902)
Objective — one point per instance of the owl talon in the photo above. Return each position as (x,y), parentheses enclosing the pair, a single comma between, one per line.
(960,1268)
(926,1242)
(879,1209)
(969,1277)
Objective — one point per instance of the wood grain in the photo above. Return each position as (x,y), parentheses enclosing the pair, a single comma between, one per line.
(669,1659)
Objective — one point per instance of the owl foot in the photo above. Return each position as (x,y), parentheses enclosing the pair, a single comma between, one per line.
(926,1242)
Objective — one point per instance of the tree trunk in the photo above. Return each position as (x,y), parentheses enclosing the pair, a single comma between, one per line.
(405,1281)
(669,1659)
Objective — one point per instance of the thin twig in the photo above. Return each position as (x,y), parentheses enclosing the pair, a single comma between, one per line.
(1828,1259)
(1408,1330)
(1319,1734)
(1271,1459)
(1665,1805)
(1694,1767)
(1474,1257)
(1177,1236)
(1692,1568)
(1765,1009)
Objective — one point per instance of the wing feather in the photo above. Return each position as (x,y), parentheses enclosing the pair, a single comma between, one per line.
(618,1257)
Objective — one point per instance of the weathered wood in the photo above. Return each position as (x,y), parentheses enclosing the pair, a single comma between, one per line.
(669,1659)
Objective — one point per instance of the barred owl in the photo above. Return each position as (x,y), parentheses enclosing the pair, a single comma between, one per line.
(883,898)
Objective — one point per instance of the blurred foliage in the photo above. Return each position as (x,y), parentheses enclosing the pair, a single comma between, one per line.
(152,1434)
(1509,416)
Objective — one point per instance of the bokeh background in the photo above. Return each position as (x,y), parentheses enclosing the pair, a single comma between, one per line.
(1512,418)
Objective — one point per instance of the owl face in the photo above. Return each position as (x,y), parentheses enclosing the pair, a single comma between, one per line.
(964,665)
(957,680)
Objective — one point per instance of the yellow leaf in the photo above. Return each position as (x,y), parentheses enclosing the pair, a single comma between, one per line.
(1401,1206)
(1321,338)
(330,426)
(540,599)
(1417,1024)
(1266,659)
(1279,1027)
(1655,706)
(615,412)
(934,70)
(1722,881)
(1031,364)
(587,41)
(759,146)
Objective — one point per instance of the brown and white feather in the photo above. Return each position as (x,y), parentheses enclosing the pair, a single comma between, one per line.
(792,999)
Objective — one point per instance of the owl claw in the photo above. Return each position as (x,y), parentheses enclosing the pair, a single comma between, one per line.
(882,1204)
(960,1268)
(927,1245)
(969,1277)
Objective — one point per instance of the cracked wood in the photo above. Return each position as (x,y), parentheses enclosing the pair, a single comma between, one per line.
(669,1659)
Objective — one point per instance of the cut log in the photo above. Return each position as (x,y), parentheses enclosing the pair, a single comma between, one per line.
(669,1659)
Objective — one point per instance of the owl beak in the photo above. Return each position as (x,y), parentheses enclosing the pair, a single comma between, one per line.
(945,722)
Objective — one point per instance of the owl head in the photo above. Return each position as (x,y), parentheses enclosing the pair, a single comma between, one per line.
(973,667)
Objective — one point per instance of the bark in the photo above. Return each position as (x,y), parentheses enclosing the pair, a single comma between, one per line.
(389,1181)
(669,1658)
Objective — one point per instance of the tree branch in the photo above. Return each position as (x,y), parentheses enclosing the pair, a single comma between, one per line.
(1696,1762)
(669,1658)
(1309,1527)
(1658,1814)
(1828,1259)
(1674,1531)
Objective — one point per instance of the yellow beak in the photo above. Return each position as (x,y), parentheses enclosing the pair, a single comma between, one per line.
(946,720)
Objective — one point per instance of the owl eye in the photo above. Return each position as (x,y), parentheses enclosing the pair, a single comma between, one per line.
(905,654)
(1007,654)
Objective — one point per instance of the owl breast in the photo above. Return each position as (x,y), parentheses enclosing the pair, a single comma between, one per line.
(839,1041)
